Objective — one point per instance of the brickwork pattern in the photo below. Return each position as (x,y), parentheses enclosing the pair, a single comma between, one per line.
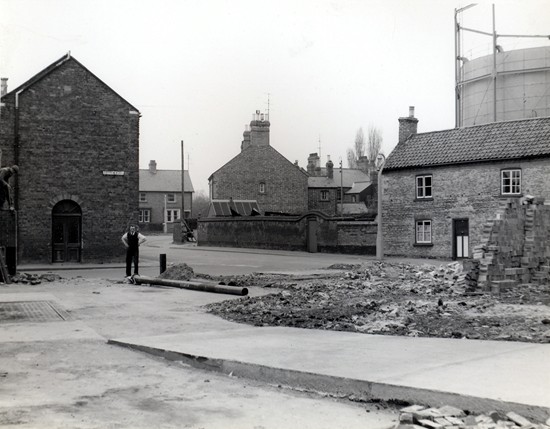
(288,233)
(240,178)
(515,247)
(459,192)
(72,127)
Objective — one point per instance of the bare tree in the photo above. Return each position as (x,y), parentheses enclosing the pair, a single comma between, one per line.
(352,160)
(359,143)
(358,149)
(374,143)
(201,204)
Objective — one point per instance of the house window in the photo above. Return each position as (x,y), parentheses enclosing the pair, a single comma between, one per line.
(142,197)
(172,215)
(423,231)
(424,186)
(324,195)
(510,182)
(262,188)
(171,198)
(144,216)
(339,194)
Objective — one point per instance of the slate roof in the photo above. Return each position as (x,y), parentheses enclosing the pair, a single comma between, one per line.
(164,181)
(525,138)
(350,176)
(358,187)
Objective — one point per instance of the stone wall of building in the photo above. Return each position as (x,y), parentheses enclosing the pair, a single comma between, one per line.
(285,184)
(459,192)
(73,128)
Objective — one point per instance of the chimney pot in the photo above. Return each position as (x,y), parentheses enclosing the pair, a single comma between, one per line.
(153,167)
(407,126)
(4,86)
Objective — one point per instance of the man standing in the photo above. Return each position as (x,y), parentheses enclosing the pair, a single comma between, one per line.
(5,188)
(132,240)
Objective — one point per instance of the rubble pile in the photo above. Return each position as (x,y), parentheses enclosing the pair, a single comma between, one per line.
(447,417)
(178,272)
(394,299)
(34,279)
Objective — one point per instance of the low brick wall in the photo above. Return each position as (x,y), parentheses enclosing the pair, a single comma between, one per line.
(288,233)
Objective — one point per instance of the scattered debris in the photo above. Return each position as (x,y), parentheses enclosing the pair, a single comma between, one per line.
(393,299)
(34,279)
(418,417)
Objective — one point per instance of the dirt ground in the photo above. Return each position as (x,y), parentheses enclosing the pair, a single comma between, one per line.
(393,299)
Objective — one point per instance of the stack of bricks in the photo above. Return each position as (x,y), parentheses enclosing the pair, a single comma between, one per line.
(515,247)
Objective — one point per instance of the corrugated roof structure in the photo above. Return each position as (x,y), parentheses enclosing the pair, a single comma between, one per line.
(164,181)
(525,138)
(233,208)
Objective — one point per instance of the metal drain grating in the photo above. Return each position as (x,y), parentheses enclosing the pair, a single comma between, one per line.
(30,311)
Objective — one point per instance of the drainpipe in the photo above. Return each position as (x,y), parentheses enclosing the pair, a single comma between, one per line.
(379,238)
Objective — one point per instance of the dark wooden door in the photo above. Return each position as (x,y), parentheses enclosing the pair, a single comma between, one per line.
(461,237)
(66,232)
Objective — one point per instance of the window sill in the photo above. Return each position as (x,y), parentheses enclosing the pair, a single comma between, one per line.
(423,244)
(424,199)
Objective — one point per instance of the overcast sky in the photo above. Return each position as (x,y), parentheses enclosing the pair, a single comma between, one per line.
(198,69)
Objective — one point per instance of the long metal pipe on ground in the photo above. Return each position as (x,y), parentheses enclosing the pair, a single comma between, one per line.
(181,284)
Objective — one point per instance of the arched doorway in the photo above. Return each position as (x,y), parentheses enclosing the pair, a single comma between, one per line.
(66,231)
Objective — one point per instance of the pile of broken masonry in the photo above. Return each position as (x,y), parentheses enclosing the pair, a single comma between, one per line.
(448,417)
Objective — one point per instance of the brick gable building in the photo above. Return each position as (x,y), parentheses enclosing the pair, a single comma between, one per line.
(76,142)
(261,173)
(440,188)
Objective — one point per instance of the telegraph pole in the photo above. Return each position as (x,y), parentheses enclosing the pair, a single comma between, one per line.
(182,182)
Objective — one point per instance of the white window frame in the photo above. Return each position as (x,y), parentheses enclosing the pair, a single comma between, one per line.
(144,216)
(172,215)
(423,231)
(171,198)
(324,195)
(424,191)
(510,181)
(261,188)
(142,197)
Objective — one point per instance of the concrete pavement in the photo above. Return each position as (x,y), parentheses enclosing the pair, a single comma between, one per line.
(470,374)
(476,375)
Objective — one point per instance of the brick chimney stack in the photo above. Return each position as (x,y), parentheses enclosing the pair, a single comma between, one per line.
(407,126)
(153,166)
(259,129)
(330,169)
(246,137)
(4,86)
(313,164)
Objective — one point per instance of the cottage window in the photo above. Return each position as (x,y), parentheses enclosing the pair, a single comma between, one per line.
(424,186)
(172,215)
(339,194)
(142,197)
(423,231)
(171,198)
(324,195)
(262,188)
(144,216)
(510,182)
